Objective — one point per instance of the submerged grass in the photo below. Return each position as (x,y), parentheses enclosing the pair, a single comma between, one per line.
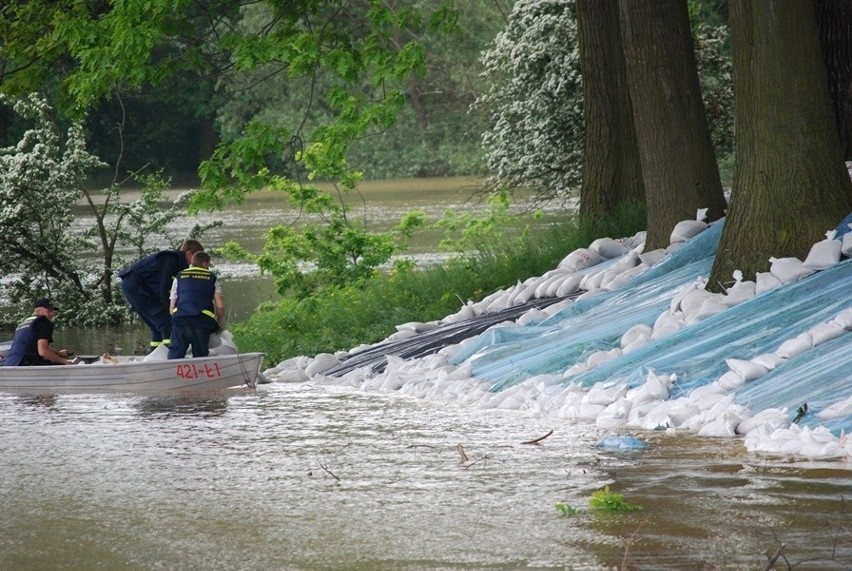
(339,318)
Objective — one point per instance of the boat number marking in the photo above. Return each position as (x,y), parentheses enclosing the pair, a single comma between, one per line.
(193,371)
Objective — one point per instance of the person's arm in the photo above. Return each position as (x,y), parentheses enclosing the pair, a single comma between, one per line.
(219,305)
(173,298)
(46,352)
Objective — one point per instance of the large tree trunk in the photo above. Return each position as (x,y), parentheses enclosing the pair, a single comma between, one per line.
(678,163)
(790,184)
(834,18)
(612,174)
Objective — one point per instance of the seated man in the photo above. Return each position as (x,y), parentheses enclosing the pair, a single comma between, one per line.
(31,345)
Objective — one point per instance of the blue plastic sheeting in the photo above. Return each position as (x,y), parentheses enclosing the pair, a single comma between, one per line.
(508,355)
(843,227)
(696,353)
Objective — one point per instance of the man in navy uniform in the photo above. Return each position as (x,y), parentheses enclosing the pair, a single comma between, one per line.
(198,308)
(31,345)
(146,285)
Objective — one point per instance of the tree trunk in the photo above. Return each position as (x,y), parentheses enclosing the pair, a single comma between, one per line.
(834,18)
(790,184)
(612,173)
(678,163)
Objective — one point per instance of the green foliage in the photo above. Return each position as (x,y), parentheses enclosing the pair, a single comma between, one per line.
(567,510)
(343,316)
(42,184)
(335,251)
(605,501)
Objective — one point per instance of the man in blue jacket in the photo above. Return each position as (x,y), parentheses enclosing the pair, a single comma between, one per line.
(198,308)
(146,285)
(31,345)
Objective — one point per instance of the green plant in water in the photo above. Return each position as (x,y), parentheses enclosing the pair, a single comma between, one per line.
(566,510)
(610,502)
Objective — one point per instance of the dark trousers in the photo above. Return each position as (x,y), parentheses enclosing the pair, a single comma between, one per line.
(150,308)
(185,335)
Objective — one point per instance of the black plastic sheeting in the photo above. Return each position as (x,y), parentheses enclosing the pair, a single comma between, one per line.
(432,341)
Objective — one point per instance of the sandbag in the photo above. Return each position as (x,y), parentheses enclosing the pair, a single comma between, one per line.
(580,259)
(824,253)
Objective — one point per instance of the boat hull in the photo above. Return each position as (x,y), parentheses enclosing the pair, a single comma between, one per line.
(127,374)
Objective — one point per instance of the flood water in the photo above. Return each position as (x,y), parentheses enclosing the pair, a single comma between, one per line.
(307,476)
(310,476)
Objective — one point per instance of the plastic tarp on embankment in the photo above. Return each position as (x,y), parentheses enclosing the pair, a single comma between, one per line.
(697,353)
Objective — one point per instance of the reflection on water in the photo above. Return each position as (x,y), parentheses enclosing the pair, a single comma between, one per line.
(182,405)
(301,476)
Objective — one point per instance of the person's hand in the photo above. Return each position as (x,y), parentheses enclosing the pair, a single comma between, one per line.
(63,352)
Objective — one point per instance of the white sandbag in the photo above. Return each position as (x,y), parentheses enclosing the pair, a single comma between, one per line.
(603,395)
(764,282)
(709,307)
(599,357)
(747,370)
(592,281)
(637,344)
(400,335)
(837,409)
(576,369)
(720,428)
(614,415)
(557,307)
(844,318)
(161,353)
(653,257)
(694,299)
(580,259)
(739,292)
(788,270)
(686,229)
(666,324)
(769,419)
(846,245)
(608,248)
(320,364)
(534,315)
(622,278)
(768,360)
(678,411)
(659,385)
(569,285)
(795,346)
(417,326)
(542,288)
(730,380)
(825,332)
(638,331)
(824,253)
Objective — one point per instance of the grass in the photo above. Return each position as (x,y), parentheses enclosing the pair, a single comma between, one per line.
(340,318)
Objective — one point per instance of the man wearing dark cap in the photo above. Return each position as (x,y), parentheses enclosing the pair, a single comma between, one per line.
(146,285)
(31,345)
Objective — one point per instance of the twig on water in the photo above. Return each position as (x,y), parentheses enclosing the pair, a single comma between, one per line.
(628,543)
(333,475)
(774,559)
(539,439)
(462,455)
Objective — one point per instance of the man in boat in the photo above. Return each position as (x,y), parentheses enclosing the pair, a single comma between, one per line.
(146,285)
(197,307)
(31,345)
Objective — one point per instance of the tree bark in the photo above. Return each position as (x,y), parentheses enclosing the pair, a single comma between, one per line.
(612,173)
(834,18)
(678,162)
(790,184)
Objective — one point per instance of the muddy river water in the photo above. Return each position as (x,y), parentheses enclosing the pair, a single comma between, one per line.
(312,476)
(306,476)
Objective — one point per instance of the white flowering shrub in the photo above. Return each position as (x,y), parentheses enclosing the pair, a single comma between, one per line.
(45,250)
(535,100)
